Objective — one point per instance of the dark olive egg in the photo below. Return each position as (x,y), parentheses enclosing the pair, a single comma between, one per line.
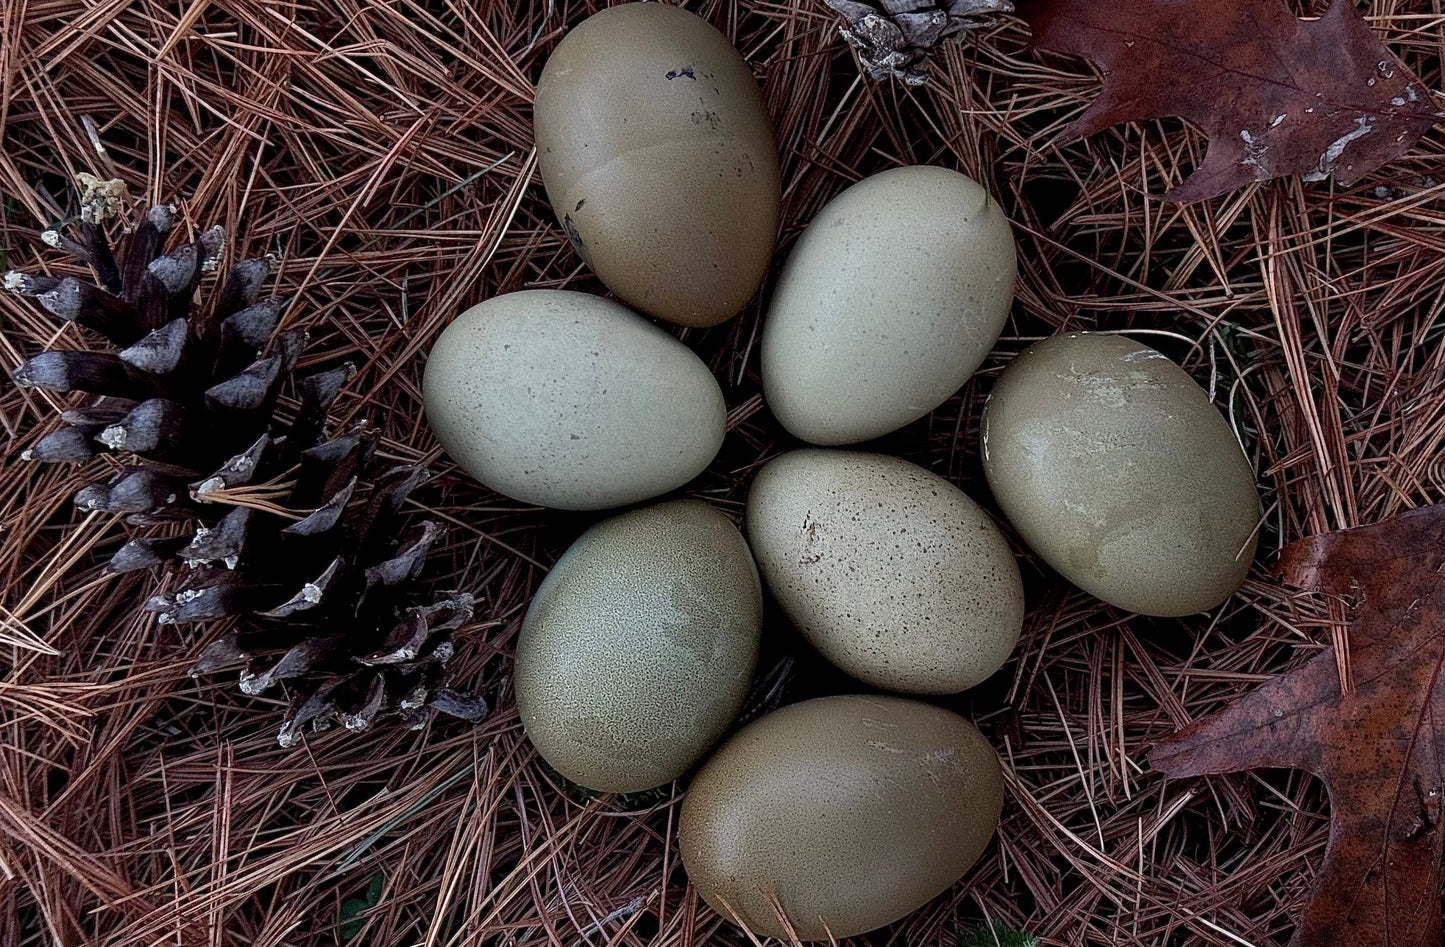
(638,647)
(659,161)
(1114,466)
(843,813)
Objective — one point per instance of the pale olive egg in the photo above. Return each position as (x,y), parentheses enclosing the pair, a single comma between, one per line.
(890,571)
(659,161)
(891,299)
(539,395)
(1112,463)
(638,647)
(846,813)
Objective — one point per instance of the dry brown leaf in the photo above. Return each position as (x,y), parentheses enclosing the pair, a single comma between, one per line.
(1380,749)
(1276,95)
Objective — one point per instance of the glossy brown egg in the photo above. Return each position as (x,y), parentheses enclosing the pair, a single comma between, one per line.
(845,812)
(659,161)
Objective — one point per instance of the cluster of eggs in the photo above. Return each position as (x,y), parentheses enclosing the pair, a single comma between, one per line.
(837,815)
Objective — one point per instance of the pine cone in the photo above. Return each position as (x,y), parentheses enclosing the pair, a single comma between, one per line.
(286,528)
(895,37)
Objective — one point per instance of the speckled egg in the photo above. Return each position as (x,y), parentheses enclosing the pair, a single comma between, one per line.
(891,299)
(890,571)
(638,647)
(845,812)
(1115,467)
(568,400)
(659,161)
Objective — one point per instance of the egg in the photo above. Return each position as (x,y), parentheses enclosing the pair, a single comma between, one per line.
(890,571)
(636,652)
(1112,463)
(659,161)
(851,812)
(890,300)
(572,401)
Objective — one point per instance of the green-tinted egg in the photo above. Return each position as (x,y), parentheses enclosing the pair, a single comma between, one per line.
(539,395)
(659,161)
(891,299)
(637,650)
(1115,467)
(847,812)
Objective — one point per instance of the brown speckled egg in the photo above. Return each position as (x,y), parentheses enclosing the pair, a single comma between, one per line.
(845,812)
(637,650)
(889,570)
(659,161)
(1115,467)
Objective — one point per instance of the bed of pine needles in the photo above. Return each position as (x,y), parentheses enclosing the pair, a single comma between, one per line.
(384,149)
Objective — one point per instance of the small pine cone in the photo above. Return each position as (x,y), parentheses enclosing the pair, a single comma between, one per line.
(895,37)
(288,527)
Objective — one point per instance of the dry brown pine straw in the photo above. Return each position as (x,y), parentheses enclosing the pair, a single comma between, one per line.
(385,149)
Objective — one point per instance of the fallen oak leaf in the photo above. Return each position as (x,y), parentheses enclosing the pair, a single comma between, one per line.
(1275,94)
(1380,749)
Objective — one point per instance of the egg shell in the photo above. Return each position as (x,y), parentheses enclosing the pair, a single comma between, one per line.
(659,161)
(538,394)
(637,650)
(850,811)
(890,571)
(1112,463)
(891,299)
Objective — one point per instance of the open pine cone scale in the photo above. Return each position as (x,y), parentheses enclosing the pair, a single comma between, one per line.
(895,37)
(290,532)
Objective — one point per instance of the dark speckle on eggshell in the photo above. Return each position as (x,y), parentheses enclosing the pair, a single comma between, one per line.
(570,229)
